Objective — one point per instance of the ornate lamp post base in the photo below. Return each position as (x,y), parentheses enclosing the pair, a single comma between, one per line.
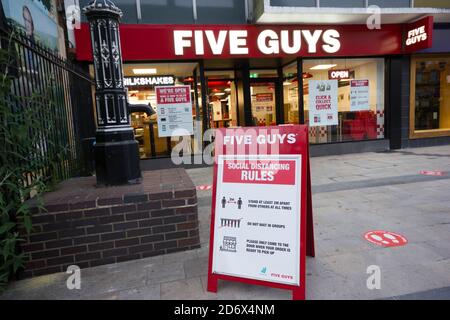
(117,158)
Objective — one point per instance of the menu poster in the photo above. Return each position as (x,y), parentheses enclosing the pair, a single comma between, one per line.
(256,231)
(174,108)
(323,103)
(359,95)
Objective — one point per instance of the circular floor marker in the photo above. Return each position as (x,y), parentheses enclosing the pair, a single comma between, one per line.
(385,238)
(204,187)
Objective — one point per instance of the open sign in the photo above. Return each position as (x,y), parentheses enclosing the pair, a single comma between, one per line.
(339,74)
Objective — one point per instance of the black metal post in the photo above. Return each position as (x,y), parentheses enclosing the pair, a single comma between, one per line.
(116,151)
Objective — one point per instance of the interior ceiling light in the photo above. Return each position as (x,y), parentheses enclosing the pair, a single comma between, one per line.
(145,71)
(323,67)
(219,93)
(227,89)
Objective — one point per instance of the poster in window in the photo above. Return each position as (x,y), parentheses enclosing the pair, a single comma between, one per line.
(323,103)
(174,111)
(359,95)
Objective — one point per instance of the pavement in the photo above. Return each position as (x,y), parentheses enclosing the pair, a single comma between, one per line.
(352,194)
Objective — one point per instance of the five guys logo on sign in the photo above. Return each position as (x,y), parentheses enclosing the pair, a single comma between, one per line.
(418,35)
(260,139)
(268,41)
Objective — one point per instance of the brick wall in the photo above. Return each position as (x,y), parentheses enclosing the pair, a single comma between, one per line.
(111,229)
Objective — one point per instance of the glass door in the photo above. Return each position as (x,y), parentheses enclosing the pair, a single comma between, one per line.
(264,101)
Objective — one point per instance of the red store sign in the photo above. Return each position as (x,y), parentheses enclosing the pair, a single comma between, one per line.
(176,42)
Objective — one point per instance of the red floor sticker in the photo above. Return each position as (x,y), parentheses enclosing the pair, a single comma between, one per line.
(385,238)
(433,173)
(204,187)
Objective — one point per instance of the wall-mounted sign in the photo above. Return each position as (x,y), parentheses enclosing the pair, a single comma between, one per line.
(359,95)
(419,35)
(149,81)
(323,102)
(339,74)
(174,110)
(261,228)
(177,42)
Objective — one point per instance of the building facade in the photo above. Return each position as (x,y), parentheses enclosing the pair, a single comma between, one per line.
(365,75)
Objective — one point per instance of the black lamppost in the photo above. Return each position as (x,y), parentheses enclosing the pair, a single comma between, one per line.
(116,151)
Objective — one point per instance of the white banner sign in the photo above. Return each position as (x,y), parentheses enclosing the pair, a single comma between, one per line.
(174,110)
(359,95)
(256,230)
(323,102)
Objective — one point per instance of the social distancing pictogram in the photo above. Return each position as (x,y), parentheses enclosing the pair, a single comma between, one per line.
(385,238)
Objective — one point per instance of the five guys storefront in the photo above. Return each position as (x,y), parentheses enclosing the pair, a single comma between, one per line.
(344,81)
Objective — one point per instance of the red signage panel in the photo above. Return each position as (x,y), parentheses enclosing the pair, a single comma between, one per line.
(178,42)
(259,171)
(173,95)
(418,35)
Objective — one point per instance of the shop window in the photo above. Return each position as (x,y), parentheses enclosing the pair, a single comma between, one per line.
(263,102)
(293,3)
(222,99)
(263,92)
(431,3)
(391,3)
(224,11)
(141,81)
(290,94)
(430,97)
(344,99)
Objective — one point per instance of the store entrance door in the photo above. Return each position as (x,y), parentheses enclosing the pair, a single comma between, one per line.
(265,98)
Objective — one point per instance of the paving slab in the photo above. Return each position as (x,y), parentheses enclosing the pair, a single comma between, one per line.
(352,194)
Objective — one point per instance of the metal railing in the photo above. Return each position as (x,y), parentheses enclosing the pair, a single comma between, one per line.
(45,78)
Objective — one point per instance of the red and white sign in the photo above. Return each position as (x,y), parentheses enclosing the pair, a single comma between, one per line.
(141,42)
(203,187)
(359,95)
(433,173)
(261,215)
(385,238)
(419,35)
(259,171)
(174,110)
(264,97)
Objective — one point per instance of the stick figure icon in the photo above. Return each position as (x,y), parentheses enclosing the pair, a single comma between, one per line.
(239,203)
(224,202)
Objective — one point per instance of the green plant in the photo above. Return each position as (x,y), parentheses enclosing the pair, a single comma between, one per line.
(29,155)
